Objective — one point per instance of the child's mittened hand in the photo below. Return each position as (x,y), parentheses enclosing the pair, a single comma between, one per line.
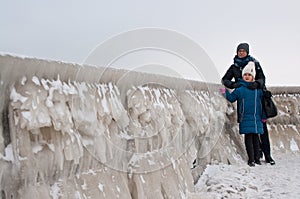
(264,120)
(222,90)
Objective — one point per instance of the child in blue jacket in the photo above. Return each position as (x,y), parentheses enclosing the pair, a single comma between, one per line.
(250,112)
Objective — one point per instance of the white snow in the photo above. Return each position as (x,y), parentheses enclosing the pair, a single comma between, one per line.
(14,96)
(55,191)
(101,187)
(36,80)
(293,145)
(37,148)
(8,154)
(262,181)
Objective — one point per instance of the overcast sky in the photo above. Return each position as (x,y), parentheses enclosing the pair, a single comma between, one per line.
(70,30)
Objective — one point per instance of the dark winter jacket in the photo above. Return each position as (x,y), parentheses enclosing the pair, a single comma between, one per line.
(250,112)
(235,71)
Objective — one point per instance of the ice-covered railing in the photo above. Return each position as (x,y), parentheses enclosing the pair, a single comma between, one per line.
(284,128)
(79,131)
(156,121)
(74,131)
(211,118)
(73,124)
(84,114)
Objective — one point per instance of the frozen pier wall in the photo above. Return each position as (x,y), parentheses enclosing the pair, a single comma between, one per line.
(77,131)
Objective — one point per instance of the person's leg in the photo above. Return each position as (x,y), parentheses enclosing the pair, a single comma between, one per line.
(265,145)
(256,148)
(249,148)
(265,142)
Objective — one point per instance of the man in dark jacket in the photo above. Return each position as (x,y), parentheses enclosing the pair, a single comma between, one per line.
(235,72)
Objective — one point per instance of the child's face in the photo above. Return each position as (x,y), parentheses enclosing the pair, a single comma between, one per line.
(248,77)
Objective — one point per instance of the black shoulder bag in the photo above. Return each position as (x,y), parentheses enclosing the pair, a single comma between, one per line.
(268,104)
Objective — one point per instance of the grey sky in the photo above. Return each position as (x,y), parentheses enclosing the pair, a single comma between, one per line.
(69,30)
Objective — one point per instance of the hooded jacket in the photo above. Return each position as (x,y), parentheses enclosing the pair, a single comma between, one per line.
(250,112)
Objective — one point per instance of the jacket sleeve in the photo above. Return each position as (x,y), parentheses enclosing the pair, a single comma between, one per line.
(226,79)
(232,97)
(260,77)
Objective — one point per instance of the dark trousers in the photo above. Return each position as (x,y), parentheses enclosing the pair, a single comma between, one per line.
(265,142)
(252,146)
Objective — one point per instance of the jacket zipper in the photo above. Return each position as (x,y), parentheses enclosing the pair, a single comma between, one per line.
(242,111)
(255,109)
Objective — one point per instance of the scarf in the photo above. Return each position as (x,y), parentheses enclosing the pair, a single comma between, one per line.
(242,62)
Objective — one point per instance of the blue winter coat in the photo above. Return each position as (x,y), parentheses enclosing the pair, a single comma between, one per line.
(250,112)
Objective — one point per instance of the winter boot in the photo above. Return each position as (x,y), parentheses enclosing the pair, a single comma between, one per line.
(257,162)
(270,160)
(251,163)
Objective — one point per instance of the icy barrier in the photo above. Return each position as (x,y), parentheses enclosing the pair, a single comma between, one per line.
(74,131)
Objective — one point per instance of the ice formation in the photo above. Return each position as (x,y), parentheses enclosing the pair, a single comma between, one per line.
(71,131)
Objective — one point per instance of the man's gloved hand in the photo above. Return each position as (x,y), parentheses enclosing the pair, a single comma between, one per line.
(254,85)
(236,85)
(267,94)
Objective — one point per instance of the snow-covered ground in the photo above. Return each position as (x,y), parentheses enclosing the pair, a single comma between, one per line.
(281,180)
